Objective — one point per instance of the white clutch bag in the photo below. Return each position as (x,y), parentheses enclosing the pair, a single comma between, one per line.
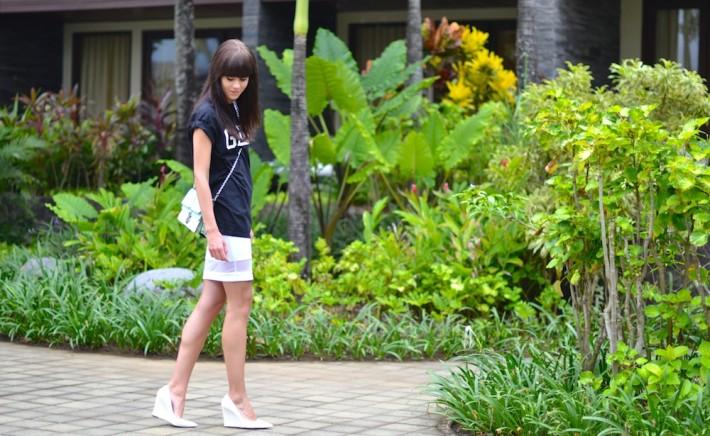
(190,214)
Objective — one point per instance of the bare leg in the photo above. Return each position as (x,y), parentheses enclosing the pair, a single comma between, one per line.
(234,342)
(194,334)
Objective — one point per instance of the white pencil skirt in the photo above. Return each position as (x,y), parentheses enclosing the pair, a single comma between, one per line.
(237,267)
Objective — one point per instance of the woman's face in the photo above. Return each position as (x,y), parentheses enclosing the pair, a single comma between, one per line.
(232,87)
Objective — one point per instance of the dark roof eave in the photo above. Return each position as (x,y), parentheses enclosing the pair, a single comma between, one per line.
(19,6)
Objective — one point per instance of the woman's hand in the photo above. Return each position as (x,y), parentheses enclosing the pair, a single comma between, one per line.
(251,234)
(216,245)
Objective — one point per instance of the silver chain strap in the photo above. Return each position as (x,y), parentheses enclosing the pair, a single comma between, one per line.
(219,191)
(239,153)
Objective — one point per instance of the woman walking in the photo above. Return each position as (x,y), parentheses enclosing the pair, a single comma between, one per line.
(225,117)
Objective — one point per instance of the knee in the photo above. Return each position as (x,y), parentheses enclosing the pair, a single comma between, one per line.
(210,309)
(239,309)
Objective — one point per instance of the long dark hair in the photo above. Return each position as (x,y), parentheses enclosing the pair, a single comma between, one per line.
(234,59)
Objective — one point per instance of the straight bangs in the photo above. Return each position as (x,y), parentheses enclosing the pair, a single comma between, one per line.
(241,64)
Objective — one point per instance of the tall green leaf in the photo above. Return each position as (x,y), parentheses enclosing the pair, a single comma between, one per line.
(389,142)
(344,88)
(366,149)
(317,94)
(279,68)
(277,128)
(434,131)
(261,175)
(328,81)
(458,145)
(415,158)
(331,48)
(402,102)
(386,69)
(323,149)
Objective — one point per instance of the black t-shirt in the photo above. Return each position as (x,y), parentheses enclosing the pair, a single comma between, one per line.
(232,209)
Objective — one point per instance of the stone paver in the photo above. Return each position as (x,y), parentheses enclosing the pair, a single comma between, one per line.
(50,391)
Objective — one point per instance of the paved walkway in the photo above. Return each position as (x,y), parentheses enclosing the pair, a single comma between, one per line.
(50,391)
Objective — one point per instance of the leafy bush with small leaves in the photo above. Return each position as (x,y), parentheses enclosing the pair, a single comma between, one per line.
(459,256)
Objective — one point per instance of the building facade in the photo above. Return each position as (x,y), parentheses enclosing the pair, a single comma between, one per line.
(116,49)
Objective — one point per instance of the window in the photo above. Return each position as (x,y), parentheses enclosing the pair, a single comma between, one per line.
(159,59)
(677,31)
(102,68)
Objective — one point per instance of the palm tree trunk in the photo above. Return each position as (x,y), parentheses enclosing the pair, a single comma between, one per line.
(299,182)
(552,32)
(536,45)
(184,77)
(414,37)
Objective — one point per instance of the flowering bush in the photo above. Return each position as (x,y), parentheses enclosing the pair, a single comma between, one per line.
(469,73)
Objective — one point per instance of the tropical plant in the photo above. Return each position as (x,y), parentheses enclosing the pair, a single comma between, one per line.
(18,148)
(83,152)
(471,73)
(134,230)
(377,144)
(159,118)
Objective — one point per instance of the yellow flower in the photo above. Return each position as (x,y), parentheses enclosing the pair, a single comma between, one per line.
(504,81)
(486,62)
(472,40)
(460,93)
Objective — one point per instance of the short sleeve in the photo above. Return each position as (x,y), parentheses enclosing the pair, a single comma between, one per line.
(204,118)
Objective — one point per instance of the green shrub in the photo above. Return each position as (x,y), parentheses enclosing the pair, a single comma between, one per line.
(530,390)
(62,148)
(134,230)
(628,200)
(679,95)
(458,256)
(68,305)
(526,391)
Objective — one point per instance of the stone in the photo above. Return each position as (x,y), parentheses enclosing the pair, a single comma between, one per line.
(37,266)
(162,279)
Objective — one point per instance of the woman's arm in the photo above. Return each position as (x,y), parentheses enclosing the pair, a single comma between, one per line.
(202,149)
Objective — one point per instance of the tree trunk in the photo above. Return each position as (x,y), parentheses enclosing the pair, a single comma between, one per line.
(611,312)
(299,181)
(526,56)
(552,32)
(414,38)
(184,77)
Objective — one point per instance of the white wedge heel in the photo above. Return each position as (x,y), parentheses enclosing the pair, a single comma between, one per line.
(233,417)
(163,409)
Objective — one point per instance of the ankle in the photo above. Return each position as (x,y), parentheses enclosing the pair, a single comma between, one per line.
(177,391)
(237,397)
